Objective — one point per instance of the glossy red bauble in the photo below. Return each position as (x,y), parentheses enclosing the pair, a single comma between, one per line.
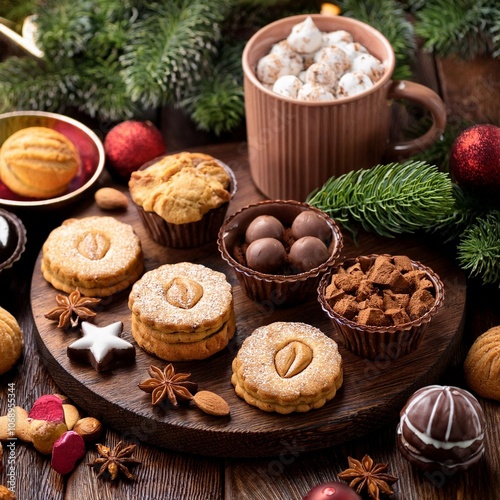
(332,491)
(475,158)
(130,144)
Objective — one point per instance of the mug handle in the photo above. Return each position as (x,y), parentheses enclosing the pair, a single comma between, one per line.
(403,89)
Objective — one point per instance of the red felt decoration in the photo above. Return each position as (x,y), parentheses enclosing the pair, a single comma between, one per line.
(475,158)
(130,144)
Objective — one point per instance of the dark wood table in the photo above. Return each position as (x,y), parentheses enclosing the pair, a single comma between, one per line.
(166,474)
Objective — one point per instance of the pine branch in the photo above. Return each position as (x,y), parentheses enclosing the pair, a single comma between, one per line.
(479,249)
(466,28)
(388,199)
(24,84)
(466,210)
(15,11)
(438,153)
(217,103)
(388,16)
(168,49)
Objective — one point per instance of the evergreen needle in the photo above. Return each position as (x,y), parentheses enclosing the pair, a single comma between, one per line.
(389,199)
(479,248)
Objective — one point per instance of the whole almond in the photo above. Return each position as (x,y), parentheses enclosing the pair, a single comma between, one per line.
(183,292)
(211,403)
(94,246)
(71,415)
(110,199)
(292,359)
(89,428)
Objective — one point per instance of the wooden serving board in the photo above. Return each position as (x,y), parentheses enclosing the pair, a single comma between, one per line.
(372,395)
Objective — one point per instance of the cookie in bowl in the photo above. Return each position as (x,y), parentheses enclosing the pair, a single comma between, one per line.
(381,305)
(182,198)
(38,162)
(182,312)
(98,255)
(279,249)
(287,367)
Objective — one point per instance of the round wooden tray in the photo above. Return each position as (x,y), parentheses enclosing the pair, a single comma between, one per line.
(372,395)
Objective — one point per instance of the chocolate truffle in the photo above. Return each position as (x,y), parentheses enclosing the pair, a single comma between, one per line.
(309,223)
(12,239)
(266,255)
(307,253)
(264,226)
(441,428)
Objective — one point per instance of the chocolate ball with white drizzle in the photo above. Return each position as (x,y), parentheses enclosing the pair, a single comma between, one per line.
(441,428)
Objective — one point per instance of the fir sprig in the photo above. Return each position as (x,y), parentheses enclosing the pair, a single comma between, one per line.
(466,28)
(467,209)
(388,16)
(388,199)
(168,49)
(217,103)
(479,249)
(438,153)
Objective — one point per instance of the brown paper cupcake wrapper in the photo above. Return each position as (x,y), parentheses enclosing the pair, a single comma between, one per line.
(192,234)
(268,289)
(381,343)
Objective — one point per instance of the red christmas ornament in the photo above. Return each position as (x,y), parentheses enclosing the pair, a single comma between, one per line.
(332,491)
(475,158)
(130,144)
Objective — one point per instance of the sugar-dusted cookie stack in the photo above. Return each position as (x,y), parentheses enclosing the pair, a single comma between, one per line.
(182,311)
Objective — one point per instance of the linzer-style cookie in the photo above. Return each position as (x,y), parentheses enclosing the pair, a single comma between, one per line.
(287,367)
(97,255)
(182,311)
(102,347)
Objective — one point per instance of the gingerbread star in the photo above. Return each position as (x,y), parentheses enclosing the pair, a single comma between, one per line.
(102,347)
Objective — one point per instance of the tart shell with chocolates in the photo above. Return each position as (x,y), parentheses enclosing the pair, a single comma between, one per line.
(260,267)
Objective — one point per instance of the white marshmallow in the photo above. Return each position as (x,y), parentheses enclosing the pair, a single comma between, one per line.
(289,57)
(354,49)
(270,68)
(322,74)
(353,83)
(312,92)
(287,86)
(333,38)
(305,37)
(334,57)
(369,65)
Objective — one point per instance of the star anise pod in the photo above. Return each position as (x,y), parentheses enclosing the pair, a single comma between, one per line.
(115,460)
(168,384)
(72,309)
(366,477)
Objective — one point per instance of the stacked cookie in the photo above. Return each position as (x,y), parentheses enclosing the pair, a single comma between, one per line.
(287,367)
(182,311)
(99,256)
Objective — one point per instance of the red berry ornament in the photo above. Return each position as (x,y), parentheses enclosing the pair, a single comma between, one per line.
(130,144)
(332,491)
(475,158)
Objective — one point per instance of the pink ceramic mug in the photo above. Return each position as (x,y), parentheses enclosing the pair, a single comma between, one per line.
(295,146)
